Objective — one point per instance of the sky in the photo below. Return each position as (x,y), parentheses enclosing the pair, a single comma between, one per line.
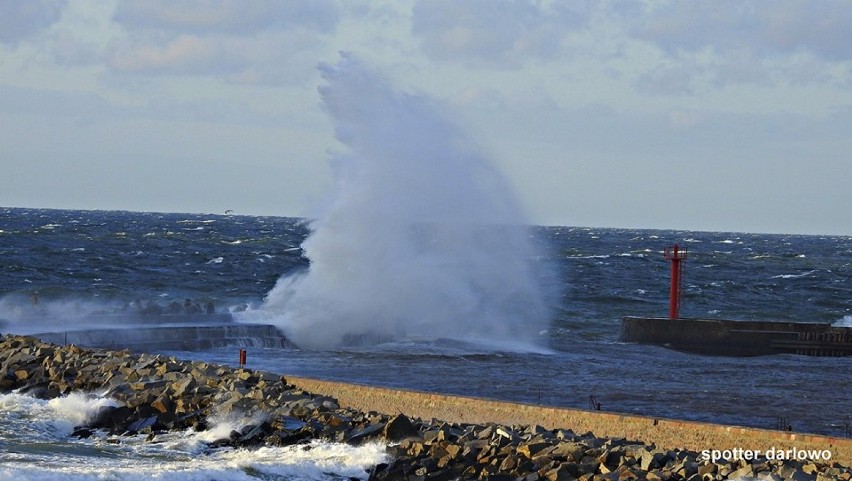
(710,115)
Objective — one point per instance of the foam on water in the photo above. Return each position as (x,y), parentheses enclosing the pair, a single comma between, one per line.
(55,418)
(316,461)
(35,444)
(422,238)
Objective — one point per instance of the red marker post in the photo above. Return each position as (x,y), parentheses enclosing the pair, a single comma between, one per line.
(242,357)
(675,254)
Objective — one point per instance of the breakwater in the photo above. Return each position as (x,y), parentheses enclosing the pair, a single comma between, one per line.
(722,337)
(155,393)
(172,337)
(668,433)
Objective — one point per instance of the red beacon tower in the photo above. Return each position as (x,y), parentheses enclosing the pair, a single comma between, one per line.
(675,254)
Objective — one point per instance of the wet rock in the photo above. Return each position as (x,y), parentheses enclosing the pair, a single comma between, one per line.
(82,433)
(141,424)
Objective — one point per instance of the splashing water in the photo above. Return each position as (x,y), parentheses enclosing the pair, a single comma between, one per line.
(423,237)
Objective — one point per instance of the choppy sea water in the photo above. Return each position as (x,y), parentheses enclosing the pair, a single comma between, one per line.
(83,261)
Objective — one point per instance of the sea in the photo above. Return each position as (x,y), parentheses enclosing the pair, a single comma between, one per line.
(86,261)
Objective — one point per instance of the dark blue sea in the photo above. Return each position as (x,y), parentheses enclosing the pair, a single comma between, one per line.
(105,260)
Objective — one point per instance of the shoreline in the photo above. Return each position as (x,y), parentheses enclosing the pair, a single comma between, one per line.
(155,393)
(664,432)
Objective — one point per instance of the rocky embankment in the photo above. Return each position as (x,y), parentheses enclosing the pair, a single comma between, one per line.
(154,394)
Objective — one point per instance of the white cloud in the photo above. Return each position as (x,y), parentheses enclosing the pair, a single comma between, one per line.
(71,50)
(258,42)
(270,58)
(784,27)
(184,54)
(487,33)
(22,19)
(739,42)
(227,16)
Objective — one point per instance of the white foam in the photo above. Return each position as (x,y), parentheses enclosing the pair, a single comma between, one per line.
(845,322)
(62,413)
(316,461)
(793,276)
(37,433)
(76,408)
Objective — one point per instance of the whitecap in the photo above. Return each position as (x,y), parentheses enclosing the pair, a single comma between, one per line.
(793,276)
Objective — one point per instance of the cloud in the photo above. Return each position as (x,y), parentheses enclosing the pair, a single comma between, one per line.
(227,16)
(271,58)
(20,20)
(71,50)
(715,43)
(259,42)
(184,54)
(822,28)
(671,78)
(483,32)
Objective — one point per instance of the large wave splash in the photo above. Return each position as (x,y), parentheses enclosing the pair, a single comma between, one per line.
(423,237)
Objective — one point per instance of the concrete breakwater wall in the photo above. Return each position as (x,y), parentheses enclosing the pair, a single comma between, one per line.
(722,337)
(665,433)
(177,338)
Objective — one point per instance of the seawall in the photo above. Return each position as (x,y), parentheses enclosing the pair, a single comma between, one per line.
(665,433)
(724,337)
(178,338)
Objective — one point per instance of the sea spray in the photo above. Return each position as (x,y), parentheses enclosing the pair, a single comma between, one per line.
(845,321)
(423,236)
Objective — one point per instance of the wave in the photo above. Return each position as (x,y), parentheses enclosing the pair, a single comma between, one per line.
(53,419)
(37,433)
(794,276)
(142,462)
(423,235)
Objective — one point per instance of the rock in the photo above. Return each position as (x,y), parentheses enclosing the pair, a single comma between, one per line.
(652,460)
(399,428)
(529,450)
(163,404)
(742,472)
(652,476)
(361,434)
(142,424)
(569,451)
(565,472)
(82,433)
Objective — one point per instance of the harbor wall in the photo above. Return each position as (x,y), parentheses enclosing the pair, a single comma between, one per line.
(665,433)
(724,337)
(178,338)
